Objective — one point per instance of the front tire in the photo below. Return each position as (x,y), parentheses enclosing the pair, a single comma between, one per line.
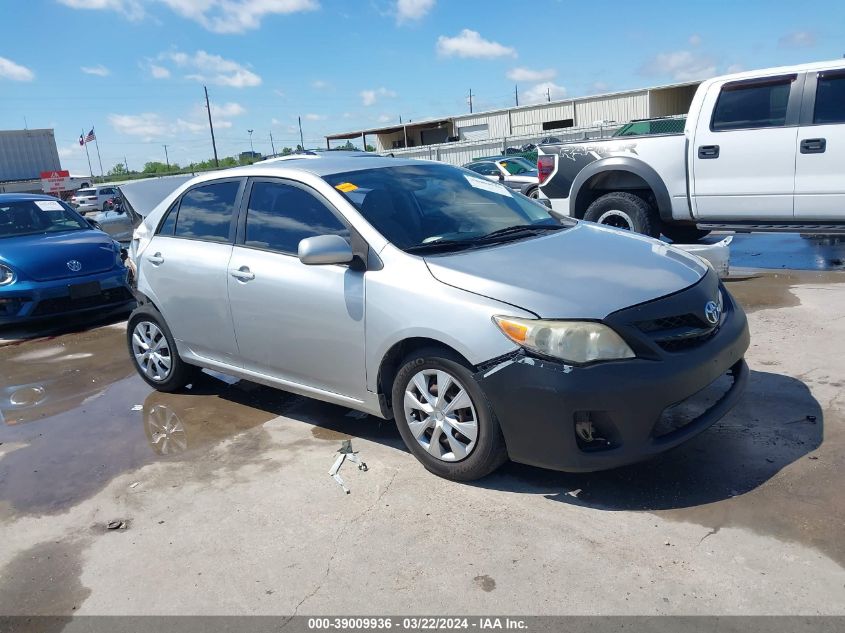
(153,352)
(624,210)
(444,418)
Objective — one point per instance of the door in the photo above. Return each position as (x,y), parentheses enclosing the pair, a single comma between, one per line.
(303,324)
(820,161)
(743,156)
(116,223)
(186,267)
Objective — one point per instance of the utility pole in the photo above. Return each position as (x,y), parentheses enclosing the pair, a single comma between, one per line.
(470,100)
(251,146)
(516,94)
(272,146)
(301,140)
(166,158)
(126,164)
(549,95)
(211,127)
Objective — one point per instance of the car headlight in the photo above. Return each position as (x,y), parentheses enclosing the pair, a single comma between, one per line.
(573,341)
(7,275)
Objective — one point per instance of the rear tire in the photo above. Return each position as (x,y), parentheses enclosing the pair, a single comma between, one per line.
(153,352)
(624,210)
(684,234)
(534,193)
(462,443)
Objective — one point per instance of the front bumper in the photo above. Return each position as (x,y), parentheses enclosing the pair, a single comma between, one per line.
(27,301)
(542,404)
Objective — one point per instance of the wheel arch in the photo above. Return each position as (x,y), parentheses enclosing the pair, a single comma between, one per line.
(618,173)
(390,365)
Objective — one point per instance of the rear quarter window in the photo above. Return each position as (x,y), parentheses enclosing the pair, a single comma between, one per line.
(755,105)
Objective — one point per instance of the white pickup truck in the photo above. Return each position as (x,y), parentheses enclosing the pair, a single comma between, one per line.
(760,151)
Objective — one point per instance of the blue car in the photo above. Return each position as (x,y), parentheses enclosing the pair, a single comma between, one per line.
(53,262)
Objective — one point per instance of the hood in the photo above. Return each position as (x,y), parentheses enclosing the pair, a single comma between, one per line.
(44,257)
(588,271)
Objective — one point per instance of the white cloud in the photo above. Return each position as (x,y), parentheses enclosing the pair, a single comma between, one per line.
(527,74)
(680,66)
(319,84)
(734,68)
(469,43)
(314,117)
(695,39)
(369,97)
(69,150)
(384,118)
(99,70)
(15,72)
(411,10)
(147,125)
(598,87)
(132,9)
(236,16)
(543,91)
(159,72)
(150,125)
(798,39)
(213,69)
(219,16)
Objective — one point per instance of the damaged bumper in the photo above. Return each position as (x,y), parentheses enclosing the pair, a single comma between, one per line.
(610,414)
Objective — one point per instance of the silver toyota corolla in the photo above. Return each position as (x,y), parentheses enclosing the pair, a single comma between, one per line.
(419,291)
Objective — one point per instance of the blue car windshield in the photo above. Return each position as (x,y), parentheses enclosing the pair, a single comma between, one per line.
(413,205)
(30,217)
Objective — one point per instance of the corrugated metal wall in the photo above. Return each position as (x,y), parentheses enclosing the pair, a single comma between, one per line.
(621,108)
(24,154)
(670,101)
(497,124)
(530,120)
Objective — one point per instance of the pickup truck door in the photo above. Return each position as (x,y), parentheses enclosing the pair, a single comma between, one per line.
(820,160)
(743,154)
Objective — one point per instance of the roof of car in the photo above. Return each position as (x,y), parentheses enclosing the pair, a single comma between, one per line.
(19,197)
(325,164)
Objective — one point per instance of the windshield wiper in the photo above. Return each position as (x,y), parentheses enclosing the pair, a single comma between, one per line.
(440,245)
(518,229)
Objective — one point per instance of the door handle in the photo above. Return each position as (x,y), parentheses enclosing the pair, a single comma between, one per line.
(708,151)
(242,274)
(156,259)
(813,145)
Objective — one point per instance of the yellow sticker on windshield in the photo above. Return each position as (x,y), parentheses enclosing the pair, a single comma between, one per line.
(346,187)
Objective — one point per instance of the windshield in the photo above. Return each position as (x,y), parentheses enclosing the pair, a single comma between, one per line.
(517,166)
(420,204)
(27,217)
(86,192)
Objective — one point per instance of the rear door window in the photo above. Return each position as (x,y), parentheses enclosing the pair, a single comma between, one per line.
(830,99)
(205,212)
(748,106)
(280,215)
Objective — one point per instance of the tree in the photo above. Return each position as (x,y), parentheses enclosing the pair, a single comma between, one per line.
(118,170)
(156,167)
(369,148)
(286,151)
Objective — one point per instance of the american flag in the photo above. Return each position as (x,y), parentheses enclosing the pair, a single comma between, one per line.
(87,139)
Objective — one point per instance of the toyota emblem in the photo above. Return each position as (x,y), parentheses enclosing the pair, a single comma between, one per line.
(74,265)
(712,312)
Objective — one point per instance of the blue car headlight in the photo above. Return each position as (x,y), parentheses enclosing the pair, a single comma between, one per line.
(7,275)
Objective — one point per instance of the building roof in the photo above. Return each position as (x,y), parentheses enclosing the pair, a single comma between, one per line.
(390,129)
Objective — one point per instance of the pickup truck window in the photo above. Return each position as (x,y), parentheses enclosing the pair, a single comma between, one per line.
(830,99)
(757,105)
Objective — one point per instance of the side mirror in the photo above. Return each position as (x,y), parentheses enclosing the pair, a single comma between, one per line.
(93,224)
(501,176)
(325,249)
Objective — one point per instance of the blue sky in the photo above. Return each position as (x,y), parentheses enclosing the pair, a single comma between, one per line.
(135,69)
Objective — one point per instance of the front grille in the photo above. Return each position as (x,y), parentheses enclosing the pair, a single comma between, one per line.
(679,332)
(60,305)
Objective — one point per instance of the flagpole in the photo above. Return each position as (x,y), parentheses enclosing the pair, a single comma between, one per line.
(97,144)
(85,145)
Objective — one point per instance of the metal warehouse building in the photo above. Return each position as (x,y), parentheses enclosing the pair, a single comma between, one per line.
(24,154)
(459,139)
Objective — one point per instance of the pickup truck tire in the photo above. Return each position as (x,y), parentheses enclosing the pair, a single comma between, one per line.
(424,418)
(534,193)
(684,234)
(625,211)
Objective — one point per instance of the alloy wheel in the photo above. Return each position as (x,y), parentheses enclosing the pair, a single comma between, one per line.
(617,219)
